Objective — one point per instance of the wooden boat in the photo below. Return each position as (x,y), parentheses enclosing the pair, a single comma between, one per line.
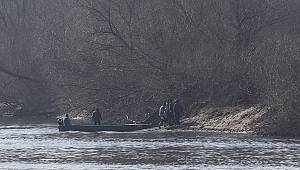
(95,128)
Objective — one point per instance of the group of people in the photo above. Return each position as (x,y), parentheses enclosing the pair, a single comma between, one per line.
(96,118)
(170,113)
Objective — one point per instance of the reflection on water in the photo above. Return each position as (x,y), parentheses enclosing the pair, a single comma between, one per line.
(43,147)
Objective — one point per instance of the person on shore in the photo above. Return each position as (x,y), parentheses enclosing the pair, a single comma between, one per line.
(162,114)
(96,117)
(177,112)
(67,120)
(169,112)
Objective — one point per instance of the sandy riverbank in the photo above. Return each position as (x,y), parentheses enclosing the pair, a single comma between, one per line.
(244,119)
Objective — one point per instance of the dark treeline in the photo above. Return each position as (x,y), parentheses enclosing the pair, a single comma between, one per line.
(128,56)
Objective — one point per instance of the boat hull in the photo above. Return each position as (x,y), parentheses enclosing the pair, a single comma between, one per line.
(95,128)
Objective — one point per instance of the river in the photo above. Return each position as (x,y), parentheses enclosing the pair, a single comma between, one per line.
(43,147)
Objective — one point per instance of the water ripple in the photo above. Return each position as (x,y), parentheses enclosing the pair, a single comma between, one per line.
(46,148)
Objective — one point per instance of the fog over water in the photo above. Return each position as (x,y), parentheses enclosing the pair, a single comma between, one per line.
(43,147)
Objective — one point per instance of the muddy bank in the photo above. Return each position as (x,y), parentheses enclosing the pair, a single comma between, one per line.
(248,119)
(258,119)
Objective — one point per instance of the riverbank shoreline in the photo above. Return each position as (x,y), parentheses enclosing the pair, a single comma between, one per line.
(252,119)
(227,119)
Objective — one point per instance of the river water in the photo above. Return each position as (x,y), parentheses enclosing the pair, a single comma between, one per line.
(43,147)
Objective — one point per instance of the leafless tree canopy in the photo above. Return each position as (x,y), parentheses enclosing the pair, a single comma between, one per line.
(127,56)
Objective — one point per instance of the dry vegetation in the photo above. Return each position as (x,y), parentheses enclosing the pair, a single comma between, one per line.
(127,56)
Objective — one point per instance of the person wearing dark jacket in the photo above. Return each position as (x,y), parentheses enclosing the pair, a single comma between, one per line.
(96,117)
(162,113)
(67,120)
(177,112)
(169,112)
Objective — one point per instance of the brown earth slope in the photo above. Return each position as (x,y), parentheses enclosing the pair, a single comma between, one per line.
(231,119)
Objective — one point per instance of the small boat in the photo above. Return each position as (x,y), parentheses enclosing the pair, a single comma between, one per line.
(95,128)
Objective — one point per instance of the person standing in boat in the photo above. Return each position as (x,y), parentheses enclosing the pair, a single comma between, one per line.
(96,117)
(67,120)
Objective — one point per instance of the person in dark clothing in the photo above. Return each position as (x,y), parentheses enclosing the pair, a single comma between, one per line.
(60,121)
(96,117)
(67,120)
(162,114)
(177,111)
(169,111)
